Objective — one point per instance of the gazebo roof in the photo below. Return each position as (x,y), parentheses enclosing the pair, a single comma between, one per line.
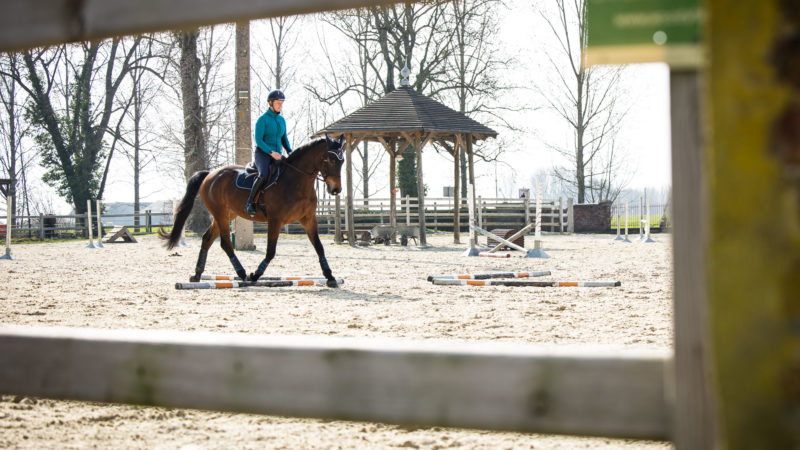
(404,110)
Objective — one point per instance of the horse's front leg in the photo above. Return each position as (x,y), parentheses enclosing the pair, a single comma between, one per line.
(312,231)
(273,231)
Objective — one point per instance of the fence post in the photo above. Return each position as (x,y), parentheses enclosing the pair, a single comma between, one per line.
(527,213)
(337,222)
(408,211)
(480,212)
(560,215)
(148,222)
(435,218)
(570,216)
(41,226)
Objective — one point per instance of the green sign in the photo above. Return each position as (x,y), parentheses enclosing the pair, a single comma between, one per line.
(625,31)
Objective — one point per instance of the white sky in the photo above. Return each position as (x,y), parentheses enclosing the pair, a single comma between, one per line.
(644,134)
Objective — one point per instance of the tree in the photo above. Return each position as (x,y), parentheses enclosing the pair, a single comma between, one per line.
(133,131)
(72,90)
(13,130)
(586,98)
(194,147)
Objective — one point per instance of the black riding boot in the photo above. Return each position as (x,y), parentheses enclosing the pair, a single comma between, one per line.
(250,207)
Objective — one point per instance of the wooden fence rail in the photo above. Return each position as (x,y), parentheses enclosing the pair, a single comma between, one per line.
(598,390)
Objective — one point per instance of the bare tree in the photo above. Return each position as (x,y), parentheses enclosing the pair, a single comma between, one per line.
(194,139)
(13,130)
(134,133)
(473,79)
(72,90)
(587,99)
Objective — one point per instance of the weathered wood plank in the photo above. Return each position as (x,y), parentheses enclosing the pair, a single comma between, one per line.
(553,389)
(32,23)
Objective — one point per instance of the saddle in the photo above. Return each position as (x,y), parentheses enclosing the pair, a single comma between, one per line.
(246,177)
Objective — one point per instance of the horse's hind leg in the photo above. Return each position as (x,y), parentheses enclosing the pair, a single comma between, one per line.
(208,238)
(312,231)
(227,246)
(273,232)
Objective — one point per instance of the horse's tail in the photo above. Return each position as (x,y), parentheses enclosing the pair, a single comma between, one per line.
(184,208)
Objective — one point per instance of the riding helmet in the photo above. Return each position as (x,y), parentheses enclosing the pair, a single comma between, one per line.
(276,95)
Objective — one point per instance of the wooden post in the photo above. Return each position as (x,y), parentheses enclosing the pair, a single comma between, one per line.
(337,220)
(408,210)
(751,261)
(480,211)
(351,232)
(243,228)
(570,216)
(560,215)
(457,191)
(419,142)
(393,184)
(41,226)
(527,214)
(435,218)
(471,175)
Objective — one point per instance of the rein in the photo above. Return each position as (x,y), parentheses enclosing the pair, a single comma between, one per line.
(317,175)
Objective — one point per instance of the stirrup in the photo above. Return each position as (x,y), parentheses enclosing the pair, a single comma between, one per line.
(250,209)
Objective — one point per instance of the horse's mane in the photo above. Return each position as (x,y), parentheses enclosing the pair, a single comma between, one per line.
(299,151)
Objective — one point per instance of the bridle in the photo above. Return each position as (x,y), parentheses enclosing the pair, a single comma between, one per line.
(337,152)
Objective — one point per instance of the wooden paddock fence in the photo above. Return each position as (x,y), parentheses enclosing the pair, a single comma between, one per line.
(582,390)
(492,213)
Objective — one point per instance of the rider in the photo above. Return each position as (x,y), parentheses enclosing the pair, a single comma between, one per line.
(270,137)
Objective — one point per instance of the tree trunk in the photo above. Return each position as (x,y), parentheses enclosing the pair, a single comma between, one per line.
(195,154)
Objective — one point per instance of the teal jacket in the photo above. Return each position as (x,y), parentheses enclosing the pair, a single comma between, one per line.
(271,133)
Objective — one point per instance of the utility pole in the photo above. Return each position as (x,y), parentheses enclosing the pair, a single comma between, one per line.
(243,227)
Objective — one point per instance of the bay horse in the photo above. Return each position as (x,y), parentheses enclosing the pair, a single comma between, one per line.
(291,199)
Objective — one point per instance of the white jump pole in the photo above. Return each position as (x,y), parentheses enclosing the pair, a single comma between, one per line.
(627,213)
(647,238)
(619,220)
(9,220)
(473,241)
(99,226)
(89,223)
(537,251)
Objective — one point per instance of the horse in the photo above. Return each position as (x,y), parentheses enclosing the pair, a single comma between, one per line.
(291,199)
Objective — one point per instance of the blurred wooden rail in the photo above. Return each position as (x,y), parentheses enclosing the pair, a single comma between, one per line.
(548,389)
(34,23)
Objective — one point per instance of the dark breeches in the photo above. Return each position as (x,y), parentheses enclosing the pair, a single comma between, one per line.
(262,162)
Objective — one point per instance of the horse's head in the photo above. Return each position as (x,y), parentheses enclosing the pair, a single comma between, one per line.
(332,164)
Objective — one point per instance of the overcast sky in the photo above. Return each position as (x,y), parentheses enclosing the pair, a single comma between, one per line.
(644,134)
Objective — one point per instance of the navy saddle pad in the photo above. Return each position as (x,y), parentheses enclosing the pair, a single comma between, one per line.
(246,177)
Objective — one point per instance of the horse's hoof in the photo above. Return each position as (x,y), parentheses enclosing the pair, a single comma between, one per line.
(332,284)
(252,277)
(194,278)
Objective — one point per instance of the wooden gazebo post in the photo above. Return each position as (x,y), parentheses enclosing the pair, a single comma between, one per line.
(418,143)
(457,189)
(351,235)
(471,176)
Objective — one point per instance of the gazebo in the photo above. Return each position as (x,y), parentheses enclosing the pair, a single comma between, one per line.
(401,118)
